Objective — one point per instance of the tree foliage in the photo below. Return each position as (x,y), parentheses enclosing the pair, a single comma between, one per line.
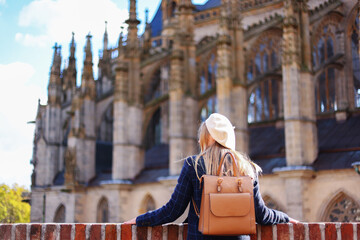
(12,209)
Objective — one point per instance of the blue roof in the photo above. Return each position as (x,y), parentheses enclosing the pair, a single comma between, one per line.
(156,23)
(209,4)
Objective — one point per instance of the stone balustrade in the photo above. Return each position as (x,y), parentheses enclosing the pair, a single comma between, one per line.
(108,231)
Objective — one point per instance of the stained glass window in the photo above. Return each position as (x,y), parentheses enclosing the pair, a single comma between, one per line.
(208,74)
(355,60)
(209,108)
(263,103)
(264,56)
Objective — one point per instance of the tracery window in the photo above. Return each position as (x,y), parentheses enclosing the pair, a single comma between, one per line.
(208,74)
(265,56)
(60,214)
(343,209)
(325,96)
(355,60)
(210,107)
(323,51)
(102,215)
(264,101)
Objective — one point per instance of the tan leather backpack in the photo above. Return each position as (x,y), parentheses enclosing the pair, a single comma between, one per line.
(227,204)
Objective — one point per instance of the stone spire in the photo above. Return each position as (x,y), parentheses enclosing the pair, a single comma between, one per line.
(87,79)
(106,41)
(54,87)
(132,39)
(69,75)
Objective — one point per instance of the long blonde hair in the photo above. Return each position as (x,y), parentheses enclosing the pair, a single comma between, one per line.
(213,153)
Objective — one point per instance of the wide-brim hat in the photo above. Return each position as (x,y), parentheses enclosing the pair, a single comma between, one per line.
(221,129)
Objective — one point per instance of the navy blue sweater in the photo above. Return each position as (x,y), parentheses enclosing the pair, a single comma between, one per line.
(188,187)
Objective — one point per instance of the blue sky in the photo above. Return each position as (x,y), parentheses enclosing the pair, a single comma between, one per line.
(29,30)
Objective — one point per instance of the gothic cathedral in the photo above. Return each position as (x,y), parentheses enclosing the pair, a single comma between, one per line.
(285,72)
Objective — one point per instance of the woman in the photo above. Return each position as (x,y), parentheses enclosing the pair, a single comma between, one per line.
(216,138)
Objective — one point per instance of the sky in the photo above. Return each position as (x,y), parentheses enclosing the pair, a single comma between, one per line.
(29,30)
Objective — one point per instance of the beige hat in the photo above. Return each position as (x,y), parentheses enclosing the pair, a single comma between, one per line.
(221,129)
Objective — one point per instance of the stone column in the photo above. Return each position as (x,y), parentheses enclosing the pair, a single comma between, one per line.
(299,106)
(296,180)
(176,97)
(298,87)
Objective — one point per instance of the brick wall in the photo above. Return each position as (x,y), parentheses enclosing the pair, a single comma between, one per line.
(301,231)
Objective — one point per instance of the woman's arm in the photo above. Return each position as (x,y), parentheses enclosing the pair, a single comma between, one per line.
(175,207)
(265,215)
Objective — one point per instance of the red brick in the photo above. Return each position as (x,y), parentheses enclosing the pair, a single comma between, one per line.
(126,231)
(185,230)
(266,233)
(141,232)
(35,232)
(20,232)
(65,231)
(314,231)
(156,233)
(95,232)
(347,231)
(330,231)
(80,232)
(110,232)
(283,232)
(50,231)
(299,231)
(5,231)
(173,231)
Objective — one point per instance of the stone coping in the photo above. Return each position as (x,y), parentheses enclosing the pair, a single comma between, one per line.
(112,231)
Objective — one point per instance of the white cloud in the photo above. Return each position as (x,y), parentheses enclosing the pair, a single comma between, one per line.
(31,40)
(18,104)
(58,18)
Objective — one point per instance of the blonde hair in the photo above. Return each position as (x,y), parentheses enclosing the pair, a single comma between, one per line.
(213,154)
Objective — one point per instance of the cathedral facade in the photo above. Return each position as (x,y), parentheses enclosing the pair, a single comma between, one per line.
(285,72)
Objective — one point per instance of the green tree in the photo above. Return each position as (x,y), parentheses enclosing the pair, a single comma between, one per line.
(12,209)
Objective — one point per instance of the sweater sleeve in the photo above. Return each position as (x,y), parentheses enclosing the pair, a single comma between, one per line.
(177,204)
(265,215)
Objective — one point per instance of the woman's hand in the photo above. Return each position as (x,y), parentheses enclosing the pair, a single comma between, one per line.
(132,221)
(291,220)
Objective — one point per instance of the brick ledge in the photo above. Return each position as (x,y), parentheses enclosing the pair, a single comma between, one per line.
(109,231)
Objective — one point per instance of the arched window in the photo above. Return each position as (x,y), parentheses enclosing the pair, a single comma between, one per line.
(322,52)
(264,56)
(209,108)
(153,132)
(60,214)
(325,97)
(106,127)
(355,60)
(271,203)
(263,102)
(323,49)
(343,209)
(208,74)
(148,204)
(102,215)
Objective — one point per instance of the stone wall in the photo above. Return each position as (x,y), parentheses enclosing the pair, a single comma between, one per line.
(305,231)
